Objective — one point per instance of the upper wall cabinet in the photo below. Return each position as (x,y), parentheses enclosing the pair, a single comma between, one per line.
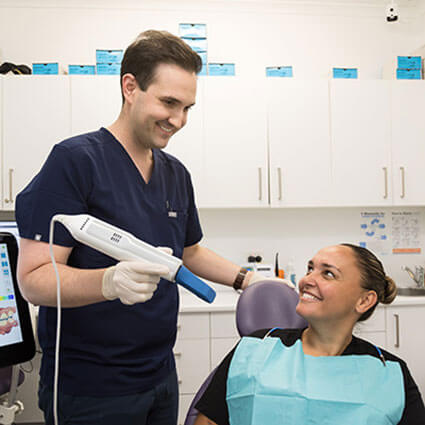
(408,129)
(36,115)
(299,142)
(361,136)
(95,102)
(235,143)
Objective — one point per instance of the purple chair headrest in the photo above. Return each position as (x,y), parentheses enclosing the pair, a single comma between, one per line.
(267,304)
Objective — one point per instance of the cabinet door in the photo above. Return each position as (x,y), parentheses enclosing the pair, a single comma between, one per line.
(360,128)
(408,129)
(95,102)
(299,143)
(36,115)
(406,339)
(188,144)
(235,172)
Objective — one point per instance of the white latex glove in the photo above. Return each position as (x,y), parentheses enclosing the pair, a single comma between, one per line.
(133,281)
(258,277)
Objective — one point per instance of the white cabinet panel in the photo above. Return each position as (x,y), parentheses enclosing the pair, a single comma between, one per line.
(193,326)
(360,128)
(219,349)
(184,402)
(406,339)
(95,102)
(36,115)
(223,325)
(408,128)
(193,363)
(299,141)
(187,145)
(235,135)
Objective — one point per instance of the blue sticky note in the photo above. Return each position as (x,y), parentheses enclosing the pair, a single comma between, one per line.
(81,69)
(203,56)
(409,62)
(108,68)
(193,30)
(45,68)
(109,56)
(203,70)
(345,72)
(197,44)
(409,74)
(217,69)
(279,71)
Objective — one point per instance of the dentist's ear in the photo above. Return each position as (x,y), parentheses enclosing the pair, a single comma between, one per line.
(366,301)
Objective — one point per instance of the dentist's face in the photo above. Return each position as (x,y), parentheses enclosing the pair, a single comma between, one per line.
(331,288)
(162,109)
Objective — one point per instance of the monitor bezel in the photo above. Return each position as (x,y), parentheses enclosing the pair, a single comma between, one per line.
(25,350)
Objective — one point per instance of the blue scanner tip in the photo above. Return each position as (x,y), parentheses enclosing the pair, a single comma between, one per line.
(188,280)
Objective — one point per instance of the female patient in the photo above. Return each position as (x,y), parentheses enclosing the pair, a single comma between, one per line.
(322,374)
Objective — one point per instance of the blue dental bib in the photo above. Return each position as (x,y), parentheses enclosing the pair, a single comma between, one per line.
(272,384)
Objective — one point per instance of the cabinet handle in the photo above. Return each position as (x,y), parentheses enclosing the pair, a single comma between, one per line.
(260,184)
(179,381)
(177,354)
(279,179)
(385,182)
(403,191)
(397,330)
(10,187)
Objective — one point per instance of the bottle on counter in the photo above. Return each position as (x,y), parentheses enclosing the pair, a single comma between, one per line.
(290,272)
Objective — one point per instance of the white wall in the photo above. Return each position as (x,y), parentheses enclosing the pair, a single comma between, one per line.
(312,36)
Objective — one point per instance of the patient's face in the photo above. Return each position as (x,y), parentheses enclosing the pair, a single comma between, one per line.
(331,287)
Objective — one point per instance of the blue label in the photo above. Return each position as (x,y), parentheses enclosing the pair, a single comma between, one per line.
(279,71)
(345,72)
(197,44)
(409,62)
(203,56)
(109,56)
(203,70)
(45,68)
(409,74)
(217,69)
(108,68)
(81,70)
(193,30)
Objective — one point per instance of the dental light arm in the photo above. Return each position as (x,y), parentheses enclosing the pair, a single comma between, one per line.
(123,246)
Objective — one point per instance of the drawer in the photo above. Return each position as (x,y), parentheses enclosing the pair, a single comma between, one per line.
(193,363)
(219,348)
(193,325)
(376,323)
(223,325)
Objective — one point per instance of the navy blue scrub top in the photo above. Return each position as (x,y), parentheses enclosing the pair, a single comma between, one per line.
(110,348)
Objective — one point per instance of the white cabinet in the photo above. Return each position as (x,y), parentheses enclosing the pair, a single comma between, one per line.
(35,115)
(299,142)
(235,138)
(361,132)
(95,102)
(374,328)
(408,129)
(406,338)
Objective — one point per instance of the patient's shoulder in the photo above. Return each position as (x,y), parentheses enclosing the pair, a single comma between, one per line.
(287,336)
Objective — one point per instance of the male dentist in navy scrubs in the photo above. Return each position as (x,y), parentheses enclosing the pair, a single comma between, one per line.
(119,319)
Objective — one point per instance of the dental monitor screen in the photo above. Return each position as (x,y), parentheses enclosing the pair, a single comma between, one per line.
(16,336)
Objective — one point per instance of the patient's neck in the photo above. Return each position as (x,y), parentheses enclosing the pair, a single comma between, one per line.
(324,341)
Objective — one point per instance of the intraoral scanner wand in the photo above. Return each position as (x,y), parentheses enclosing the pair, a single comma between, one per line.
(123,246)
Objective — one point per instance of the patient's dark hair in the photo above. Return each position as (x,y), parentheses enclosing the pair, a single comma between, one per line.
(373,277)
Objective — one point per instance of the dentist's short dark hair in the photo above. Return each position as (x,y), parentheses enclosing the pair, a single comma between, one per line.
(152,48)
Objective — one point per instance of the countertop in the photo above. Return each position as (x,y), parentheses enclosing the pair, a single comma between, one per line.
(226,301)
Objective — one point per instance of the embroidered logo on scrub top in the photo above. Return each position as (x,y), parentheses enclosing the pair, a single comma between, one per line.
(172,214)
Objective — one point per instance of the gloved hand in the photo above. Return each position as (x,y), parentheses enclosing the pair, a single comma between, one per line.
(133,281)
(258,277)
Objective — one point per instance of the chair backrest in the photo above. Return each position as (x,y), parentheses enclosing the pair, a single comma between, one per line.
(266,304)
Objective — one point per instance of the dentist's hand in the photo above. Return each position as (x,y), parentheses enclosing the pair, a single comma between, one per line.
(258,277)
(133,281)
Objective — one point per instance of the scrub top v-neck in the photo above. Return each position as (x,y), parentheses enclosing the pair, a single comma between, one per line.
(93,174)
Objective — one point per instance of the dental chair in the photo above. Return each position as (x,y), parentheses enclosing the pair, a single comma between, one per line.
(265,304)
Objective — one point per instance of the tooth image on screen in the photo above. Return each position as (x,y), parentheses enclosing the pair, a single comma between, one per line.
(7,320)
